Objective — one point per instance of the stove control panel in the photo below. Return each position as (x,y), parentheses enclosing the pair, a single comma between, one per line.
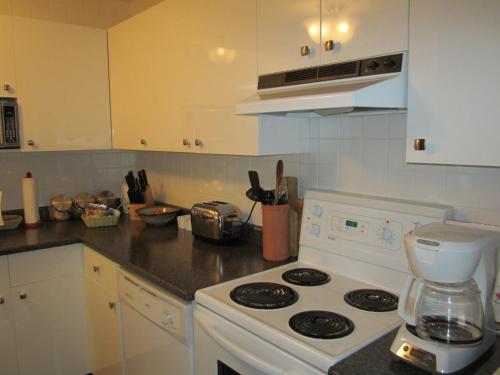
(384,232)
(326,223)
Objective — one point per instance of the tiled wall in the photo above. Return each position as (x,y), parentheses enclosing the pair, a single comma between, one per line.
(354,153)
(62,172)
(95,13)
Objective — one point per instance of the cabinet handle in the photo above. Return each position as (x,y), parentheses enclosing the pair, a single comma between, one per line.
(419,144)
(96,268)
(7,87)
(112,305)
(329,45)
(198,142)
(23,295)
(185,142)
(304,51)
(2,300)
(31,142)
(143,142)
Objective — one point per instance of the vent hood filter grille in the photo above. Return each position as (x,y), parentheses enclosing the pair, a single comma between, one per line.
(337,71)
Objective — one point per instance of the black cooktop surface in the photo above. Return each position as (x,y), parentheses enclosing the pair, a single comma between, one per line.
(321,324)
(306,277)
(264,295)
(372,300)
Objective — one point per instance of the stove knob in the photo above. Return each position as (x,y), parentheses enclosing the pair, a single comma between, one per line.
(317,211)
(372,65)
(315,230)
(386,234)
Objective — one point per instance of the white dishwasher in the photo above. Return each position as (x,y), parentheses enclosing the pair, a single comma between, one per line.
(157,329)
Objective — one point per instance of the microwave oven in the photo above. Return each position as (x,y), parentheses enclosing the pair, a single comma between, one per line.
(9,126)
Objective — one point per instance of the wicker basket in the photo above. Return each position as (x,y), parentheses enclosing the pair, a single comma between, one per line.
(102,221)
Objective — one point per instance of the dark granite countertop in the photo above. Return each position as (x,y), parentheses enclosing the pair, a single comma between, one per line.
(377,359)
(167,256)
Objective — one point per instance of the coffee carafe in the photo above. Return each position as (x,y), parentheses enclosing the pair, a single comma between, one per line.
(447,301)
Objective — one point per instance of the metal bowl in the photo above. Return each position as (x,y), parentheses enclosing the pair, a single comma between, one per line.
(158,215)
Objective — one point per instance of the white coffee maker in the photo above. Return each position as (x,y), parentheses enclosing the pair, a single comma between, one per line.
(447,303)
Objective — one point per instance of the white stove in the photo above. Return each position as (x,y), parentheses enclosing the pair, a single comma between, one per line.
(358,242)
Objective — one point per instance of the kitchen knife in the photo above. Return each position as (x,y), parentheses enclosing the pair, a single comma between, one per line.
(142,180)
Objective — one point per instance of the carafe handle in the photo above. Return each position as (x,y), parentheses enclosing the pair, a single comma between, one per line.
(408,313)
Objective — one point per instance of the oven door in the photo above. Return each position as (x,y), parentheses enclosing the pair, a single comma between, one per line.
(224,348)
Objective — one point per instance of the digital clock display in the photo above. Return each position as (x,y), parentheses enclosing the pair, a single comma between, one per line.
(351,223)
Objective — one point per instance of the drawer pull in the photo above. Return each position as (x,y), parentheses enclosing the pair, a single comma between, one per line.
(112,305)
(96,268)
(329,45)
(304,51)
(23,295)
(2,300)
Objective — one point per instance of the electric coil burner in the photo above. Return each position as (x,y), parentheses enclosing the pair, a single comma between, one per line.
(372,300)
(306,277)
(264,295)
(321,324)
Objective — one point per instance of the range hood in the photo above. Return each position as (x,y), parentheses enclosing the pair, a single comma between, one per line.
(376,83)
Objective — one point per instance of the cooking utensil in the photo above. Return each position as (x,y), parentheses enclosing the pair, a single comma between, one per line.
(268,197)
(279,177)
(158,215)
(258,192)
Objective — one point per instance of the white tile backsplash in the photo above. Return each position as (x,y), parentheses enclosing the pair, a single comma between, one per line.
(62,172)
(359,153)
(347,154)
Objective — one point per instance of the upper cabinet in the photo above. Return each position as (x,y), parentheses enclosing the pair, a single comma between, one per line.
(62,86)
(288,34)
(177,71)
(294,34)
(453,85)
(8,84)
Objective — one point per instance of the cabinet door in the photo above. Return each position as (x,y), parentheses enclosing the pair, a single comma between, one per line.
(146,86)
(8,355)
(8,84)
(51,329)
(63,87)
(453,90)
(283,27)
(221,66)
(363,28)
(104,330)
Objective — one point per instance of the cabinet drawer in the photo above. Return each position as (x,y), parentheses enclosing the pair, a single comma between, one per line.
(4,273)
(40,265)
(101,270)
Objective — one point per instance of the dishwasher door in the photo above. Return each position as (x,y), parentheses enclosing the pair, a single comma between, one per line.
(149,349)
(155,339)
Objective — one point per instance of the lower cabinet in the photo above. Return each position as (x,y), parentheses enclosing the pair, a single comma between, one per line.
(50,326)
(8,352)
(104,330)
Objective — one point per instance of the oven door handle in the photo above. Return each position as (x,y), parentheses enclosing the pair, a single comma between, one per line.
(240,353)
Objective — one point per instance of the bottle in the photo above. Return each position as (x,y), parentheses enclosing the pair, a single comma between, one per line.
(30,202)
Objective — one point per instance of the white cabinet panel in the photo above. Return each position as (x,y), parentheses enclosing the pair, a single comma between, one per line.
(8,353)
(40,265)
(104,329)
(63,86)
(4,273)
(101,270)
(453,89)
(7,71)
(363,28)
(177,71)
(283,27)
(51,330)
